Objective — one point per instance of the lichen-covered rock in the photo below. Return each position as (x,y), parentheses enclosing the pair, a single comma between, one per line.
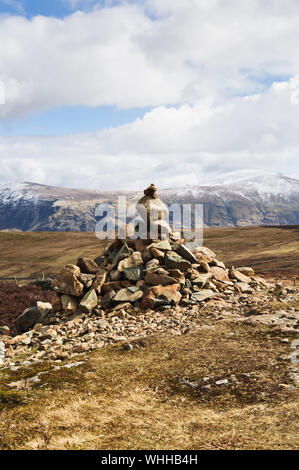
(121,254)
(162,245)
(135,259)
(184,252)
(99,280)
(86,279)
(203,253)
(151,265)
(134,274)
(73,267)
(69,304)
(202,279)
(154,279)
(87,265)
(128,294)
(202,295)
(89,301)
(67,282)
(174,261)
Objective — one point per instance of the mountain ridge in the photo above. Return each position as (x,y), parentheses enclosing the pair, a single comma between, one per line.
(246,197)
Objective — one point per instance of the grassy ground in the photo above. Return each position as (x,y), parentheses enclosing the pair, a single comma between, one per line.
(32,253)
(136,400)
(270,250)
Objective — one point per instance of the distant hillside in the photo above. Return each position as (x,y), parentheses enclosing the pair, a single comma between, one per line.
(237,199)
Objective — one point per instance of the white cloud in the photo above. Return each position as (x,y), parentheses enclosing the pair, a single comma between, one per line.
(146,53)
(188,59)
(169,146)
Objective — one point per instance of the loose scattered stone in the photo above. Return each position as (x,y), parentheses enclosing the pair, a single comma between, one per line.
(203,253)
(154,279)
(202,279)
(162,245)
(134,274)
(99,280)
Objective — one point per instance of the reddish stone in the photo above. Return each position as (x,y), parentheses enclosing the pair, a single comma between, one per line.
(219,274)
(158,295)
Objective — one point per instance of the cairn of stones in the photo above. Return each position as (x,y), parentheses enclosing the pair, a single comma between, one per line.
(145,272)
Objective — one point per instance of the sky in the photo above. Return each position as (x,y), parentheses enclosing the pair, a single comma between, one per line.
(117,94)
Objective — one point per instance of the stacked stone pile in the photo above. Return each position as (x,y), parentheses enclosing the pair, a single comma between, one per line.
(144,275)
(139,287)
(149,274)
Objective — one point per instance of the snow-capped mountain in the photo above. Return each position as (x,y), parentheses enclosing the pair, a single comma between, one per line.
(246,197)
(247,183)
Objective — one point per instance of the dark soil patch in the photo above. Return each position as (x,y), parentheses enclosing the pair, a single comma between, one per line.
(14,300)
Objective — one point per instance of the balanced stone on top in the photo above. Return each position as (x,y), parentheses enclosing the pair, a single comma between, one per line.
(154,213)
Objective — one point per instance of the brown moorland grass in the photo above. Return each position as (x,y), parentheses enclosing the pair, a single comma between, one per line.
(136,399)
(15,299)
(272,251)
